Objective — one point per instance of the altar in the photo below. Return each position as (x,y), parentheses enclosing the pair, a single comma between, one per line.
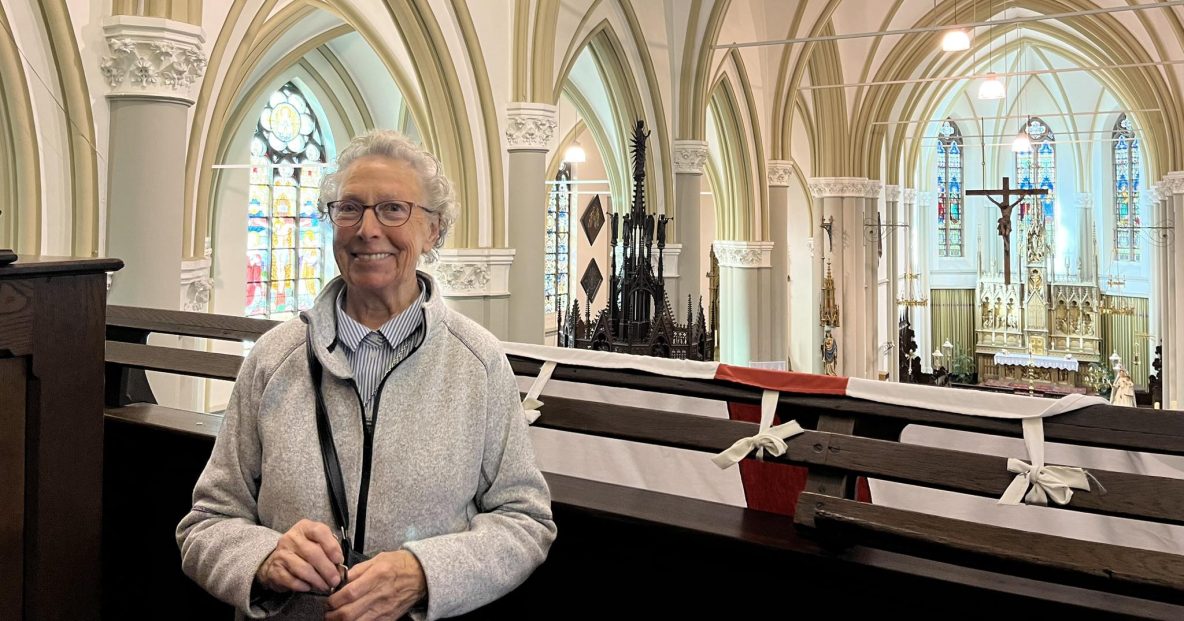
(1042,329)
(1049,374)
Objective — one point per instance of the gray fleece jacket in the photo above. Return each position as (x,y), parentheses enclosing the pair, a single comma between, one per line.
(453,476)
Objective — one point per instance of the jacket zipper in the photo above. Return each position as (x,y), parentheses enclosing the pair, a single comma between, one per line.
(368,450)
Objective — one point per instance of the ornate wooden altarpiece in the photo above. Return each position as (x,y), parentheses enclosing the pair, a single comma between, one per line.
(638,318)
(1035,315)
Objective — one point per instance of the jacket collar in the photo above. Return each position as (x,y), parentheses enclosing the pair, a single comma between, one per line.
(323,320)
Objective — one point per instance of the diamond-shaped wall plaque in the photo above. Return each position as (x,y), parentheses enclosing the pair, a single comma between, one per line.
(592,219)
(591,279)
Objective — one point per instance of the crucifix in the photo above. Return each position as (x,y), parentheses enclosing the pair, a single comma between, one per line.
(1005,205)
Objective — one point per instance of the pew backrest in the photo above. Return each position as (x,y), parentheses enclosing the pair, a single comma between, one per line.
(844,439)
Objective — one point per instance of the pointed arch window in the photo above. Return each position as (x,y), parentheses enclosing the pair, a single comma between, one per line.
(949,190)
(557,253)
(286,238)
(1037,168)
(1126,158)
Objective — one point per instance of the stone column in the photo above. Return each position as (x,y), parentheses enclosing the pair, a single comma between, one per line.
(922,324)
(779,173)
(152,69)
(906,254)
(476,283)
(530,130)
(1172,192)
(845,199)
(689,158)
(867,252)
(744,301)
(1157,322)
(893,240)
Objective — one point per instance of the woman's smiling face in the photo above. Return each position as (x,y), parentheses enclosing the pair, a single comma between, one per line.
(371,256)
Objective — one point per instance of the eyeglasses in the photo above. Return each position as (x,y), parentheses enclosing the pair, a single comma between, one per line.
(390,213)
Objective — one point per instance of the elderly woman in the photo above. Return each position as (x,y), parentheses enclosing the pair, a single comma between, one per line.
(378,424)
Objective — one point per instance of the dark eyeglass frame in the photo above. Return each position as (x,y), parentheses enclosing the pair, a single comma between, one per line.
(335,217)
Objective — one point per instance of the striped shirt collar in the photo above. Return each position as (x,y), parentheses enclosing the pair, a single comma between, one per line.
(350,332)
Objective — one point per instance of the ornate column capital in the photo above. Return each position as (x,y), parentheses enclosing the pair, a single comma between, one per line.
(531,126)
(779,172)
(744,254)
(892,192)
(473,272)
(152,57)
(196,283)
(1085,201)
(689,157)
(871,188)
(909,196)
(837,187)
(1173,183)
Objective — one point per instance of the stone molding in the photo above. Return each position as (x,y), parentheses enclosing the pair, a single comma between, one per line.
(871,188)
(669,262)
(531,126)
(473,272)
(841,187)
(689,157)
(909,196)
(744,254)
(1173,183)
(1085,201)
(153,57)
(892,193)
(779,173)
(196,283)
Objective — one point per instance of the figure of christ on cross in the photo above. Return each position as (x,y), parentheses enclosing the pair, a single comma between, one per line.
(1005,205)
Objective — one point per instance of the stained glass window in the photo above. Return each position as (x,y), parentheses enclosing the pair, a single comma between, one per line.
(949,190)
(286,238)
(557,255)
(1126,190)
(1037,168)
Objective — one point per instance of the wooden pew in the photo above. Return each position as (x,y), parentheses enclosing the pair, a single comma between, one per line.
(620,543)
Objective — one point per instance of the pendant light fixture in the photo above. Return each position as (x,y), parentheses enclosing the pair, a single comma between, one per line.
(993,87)
(957,40)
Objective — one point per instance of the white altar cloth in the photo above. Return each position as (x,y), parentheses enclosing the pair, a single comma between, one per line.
(1042,362)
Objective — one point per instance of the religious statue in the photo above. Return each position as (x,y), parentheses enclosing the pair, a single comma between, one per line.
(1037,244)
(1087,318)
(1062,317)
(988,316)
(1012,320)
(830,354)
(1122,391)
(1000,318)
(1035,280)
(1074,318)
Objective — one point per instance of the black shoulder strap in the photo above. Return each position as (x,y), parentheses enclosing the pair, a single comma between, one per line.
(333,478)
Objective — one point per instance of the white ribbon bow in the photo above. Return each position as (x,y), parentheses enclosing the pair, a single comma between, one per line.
(772,440)
(1054,483)
(1046,483)
(531,403)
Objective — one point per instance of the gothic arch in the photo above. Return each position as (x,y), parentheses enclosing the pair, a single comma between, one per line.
(20,167)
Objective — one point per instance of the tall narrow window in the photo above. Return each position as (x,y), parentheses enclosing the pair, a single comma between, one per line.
(285,237)
(1126,190)
(949,190)
(1037,168)
(558,226)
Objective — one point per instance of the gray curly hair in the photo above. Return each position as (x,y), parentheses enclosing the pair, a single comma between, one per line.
(440,199)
